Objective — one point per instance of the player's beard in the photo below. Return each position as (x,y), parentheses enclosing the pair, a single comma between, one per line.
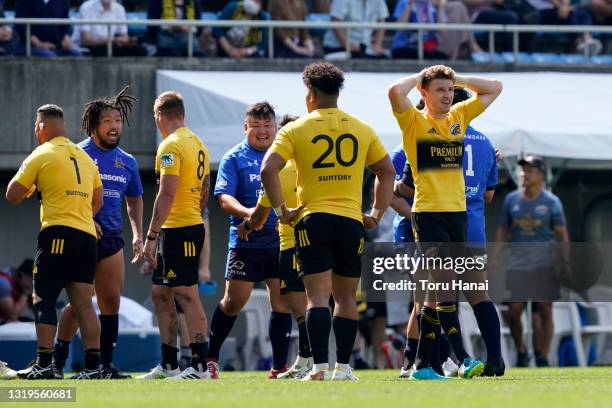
(105,145)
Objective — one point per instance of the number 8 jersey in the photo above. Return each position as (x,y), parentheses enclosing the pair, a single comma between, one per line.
(331,149)
(183,154)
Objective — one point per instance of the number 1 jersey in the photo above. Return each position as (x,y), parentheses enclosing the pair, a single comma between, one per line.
(183,154)
(331,149)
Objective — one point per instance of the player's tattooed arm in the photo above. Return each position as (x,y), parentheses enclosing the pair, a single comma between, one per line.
(134,210)
(97,200)
(168,185)
(205,193)
(383,189)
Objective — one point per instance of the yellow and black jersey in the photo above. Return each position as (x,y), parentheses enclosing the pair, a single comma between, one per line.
(434,148)
(288,179)
(65,177)
(331,149)
(183,154)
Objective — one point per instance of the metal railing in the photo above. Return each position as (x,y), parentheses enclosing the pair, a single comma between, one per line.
(270,25)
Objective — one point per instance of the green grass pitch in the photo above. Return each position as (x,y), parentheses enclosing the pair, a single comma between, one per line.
(519,388)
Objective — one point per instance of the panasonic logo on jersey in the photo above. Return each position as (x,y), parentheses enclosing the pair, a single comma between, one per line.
(254,177)
(113,177)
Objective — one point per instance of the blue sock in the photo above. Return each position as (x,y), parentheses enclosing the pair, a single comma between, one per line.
(280,337)
(488,323)
(220,327)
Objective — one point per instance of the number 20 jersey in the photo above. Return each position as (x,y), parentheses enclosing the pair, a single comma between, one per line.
(331,149)
(183,154)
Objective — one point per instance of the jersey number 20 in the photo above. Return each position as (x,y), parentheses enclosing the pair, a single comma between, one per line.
(320,163)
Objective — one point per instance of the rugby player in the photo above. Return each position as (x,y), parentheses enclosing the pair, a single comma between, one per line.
(433,142)
(255,260)
(103,121)
(291,285)
(480,174)
(331,149)
(70,191)
(176,236)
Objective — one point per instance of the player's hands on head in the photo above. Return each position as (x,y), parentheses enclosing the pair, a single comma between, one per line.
(149,252)
(99,234)
(137,248)
(290,214)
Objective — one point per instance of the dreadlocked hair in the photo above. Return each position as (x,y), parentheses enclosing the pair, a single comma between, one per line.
(122,102)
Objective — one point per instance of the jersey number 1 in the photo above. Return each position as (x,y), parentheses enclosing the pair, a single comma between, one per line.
(470,166)
(76,169)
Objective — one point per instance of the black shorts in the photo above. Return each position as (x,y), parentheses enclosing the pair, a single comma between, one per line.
(64,255)
(109,246)
(290,275)
(434,229)
(252,264)
(178,256)
(327,241)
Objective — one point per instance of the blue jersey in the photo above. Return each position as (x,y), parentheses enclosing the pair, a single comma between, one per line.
(239,177)
(120,177)
(480,174)
(402,226)
(532,224)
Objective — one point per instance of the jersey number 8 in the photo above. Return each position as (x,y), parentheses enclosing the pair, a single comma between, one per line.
(320,162)
(200,165)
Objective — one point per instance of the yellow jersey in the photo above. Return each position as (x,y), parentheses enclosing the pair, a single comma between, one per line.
(183,154)
(331,149)
(65,177)
(288,179)
(434,148)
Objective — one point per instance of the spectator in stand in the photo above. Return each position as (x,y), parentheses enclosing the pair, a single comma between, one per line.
(47,40)
(95,37)
(493,12)
(15,290)
(436,44)
(363,43)
(242,42)
(6,35)
(602,11)
(562,12)
(291,42)
(214,6)
(321,6)
(172,41)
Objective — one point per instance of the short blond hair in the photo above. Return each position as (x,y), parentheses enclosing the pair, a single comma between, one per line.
(437,72)
(170,104)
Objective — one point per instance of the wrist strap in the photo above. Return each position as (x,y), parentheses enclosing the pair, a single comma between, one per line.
(150,238)
(278,211)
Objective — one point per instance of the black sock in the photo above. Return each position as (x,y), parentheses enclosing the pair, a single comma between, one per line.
(198,355)
(169,358)
(304,343)
(220,327)
(279,331)
(109,331)
(345,331)
(44,356)
(61,353)
(410,351)
(444,349)
(92,359)
(429,331)
(488,323)
(449,319)
(318,322)
(434,359)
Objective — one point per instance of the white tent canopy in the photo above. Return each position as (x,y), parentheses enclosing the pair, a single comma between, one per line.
(557,115)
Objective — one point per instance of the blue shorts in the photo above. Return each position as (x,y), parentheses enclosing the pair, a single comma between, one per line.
(108,246)
(252,264)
